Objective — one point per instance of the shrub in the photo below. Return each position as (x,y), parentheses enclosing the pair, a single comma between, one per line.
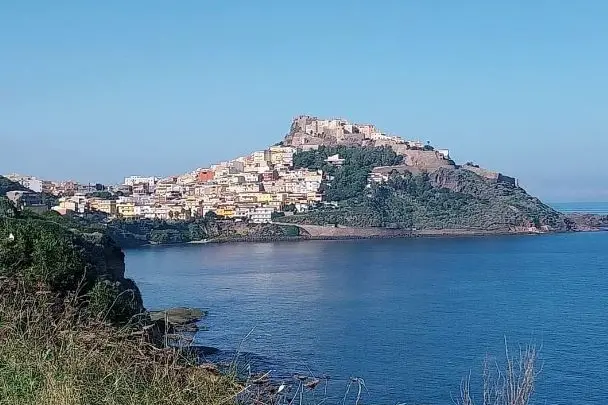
(349,180)
(45,252)
(112,301)
(50,354)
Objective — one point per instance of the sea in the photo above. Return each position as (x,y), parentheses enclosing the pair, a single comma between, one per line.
(396,321)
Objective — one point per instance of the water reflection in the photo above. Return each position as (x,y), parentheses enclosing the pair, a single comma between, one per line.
(410,316)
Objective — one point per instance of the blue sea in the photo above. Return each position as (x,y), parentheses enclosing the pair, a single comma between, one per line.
(411,317)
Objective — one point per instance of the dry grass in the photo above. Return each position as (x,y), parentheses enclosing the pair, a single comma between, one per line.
(50,354)
(512,384)
(53,353)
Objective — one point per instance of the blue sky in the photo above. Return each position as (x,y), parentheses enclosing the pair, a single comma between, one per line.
(95,91)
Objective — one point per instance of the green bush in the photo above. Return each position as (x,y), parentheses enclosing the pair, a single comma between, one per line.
(167,236)
(66,260)
(350,179)
(107,300)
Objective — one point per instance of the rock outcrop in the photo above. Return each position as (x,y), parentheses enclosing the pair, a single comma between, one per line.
(308,132)
(46,250)
(445,200)
(589,222)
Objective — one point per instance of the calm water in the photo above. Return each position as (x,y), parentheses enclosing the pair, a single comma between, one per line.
(411,317)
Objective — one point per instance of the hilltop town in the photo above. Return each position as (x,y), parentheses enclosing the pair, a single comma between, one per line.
(252,188)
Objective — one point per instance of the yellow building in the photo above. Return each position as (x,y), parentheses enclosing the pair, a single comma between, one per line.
(264,198)
(126,210)
(226,212)
(107,206)
(69,205)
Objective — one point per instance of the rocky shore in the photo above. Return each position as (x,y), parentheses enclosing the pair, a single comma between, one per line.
(580,223)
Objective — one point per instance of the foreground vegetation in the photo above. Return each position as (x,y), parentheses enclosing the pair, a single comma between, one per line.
(52,352)
(73,331)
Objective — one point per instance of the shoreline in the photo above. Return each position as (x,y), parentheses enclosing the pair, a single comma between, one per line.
(415,234)
(376,234)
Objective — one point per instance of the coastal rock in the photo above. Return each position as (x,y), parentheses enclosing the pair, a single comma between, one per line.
(178,316)
(588,222)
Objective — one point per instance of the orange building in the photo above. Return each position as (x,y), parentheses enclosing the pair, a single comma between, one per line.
(205,175)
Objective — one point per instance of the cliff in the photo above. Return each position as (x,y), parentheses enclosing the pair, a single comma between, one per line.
(46,250)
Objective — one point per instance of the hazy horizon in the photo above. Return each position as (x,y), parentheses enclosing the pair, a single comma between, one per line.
(101,91)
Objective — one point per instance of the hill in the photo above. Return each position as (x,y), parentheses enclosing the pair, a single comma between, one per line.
(373,188)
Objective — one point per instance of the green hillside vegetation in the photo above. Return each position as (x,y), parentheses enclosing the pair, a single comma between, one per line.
(350,179)
(449,198)
(130,233)
(42,250)
(7,185)
(133,233)
(73,330)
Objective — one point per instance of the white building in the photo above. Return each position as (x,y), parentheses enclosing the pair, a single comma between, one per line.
(29,182)
(261,215)
(259,157)
(133,180)
(186,179)
(144,211)
(251,177)
(33,184)
(444,152)
(335,160)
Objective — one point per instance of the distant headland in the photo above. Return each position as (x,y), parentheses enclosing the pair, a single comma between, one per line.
(327,178)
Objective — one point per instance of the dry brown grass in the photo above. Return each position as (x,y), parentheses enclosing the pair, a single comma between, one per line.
(50,354)
(53,353)
(511,384)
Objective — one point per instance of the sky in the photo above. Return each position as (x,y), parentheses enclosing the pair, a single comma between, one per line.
(99,90)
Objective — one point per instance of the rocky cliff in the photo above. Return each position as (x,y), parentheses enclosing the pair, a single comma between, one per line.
(46,250)
(445,198)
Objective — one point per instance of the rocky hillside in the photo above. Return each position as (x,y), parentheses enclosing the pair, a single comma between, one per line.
(310,133)
(409,197)
(141,232)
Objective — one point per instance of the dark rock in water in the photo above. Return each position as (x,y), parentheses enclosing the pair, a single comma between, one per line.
(178,316)
(205,350)
(174,326)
